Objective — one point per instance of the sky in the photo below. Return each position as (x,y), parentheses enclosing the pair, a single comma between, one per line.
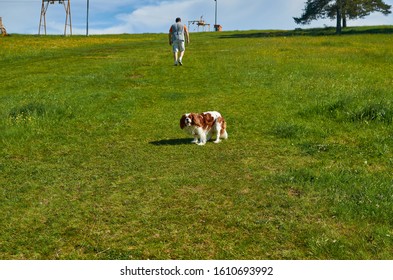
(156,16)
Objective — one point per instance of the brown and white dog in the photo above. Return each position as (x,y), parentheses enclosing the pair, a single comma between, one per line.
(203,126)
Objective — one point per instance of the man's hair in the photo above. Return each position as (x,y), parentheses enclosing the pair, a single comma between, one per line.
(178,19)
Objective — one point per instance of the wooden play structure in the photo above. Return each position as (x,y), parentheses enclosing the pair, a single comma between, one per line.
(199,24)
(67,8)
(3,32)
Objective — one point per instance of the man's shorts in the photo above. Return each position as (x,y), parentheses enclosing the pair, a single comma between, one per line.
(178,46)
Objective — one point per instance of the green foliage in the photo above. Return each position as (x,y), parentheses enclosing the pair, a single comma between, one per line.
(341,10)
(94,165)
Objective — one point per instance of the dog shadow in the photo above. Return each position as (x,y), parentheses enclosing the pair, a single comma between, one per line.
(171,142)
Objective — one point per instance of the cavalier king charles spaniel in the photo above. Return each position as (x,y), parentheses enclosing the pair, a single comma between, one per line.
(203,126)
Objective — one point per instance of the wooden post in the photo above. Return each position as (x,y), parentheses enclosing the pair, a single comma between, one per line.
(2,28)
(44,8)
(68,22)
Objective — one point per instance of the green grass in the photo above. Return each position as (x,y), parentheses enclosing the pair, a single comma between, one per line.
(94,165)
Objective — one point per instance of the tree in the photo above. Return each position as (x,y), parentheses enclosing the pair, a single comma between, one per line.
(341,10)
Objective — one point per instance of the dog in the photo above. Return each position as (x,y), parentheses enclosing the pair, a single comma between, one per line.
(203,126)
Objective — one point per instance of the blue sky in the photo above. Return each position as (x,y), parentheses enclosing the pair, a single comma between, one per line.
(155,16)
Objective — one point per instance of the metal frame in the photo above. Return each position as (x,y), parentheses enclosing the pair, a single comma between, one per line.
(44,8)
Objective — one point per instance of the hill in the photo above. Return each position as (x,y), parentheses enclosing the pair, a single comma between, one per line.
(94,165)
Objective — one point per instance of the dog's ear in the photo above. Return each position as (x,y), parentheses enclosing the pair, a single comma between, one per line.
(183,121)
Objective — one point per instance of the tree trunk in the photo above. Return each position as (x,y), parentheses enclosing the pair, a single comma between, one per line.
(338,27)
(344,16)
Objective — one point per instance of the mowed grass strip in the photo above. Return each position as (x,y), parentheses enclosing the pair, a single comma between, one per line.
(94,165)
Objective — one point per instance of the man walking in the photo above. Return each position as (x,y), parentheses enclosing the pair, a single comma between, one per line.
(178,34)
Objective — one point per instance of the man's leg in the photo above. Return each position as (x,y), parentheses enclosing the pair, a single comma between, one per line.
(175,57)
(181,58)
(182,48)
(175,49)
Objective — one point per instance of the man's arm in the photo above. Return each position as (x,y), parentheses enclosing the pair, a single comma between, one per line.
(187,35)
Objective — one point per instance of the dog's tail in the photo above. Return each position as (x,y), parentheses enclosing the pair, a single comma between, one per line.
(223,131)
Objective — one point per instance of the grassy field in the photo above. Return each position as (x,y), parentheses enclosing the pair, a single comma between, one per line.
(93,164)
